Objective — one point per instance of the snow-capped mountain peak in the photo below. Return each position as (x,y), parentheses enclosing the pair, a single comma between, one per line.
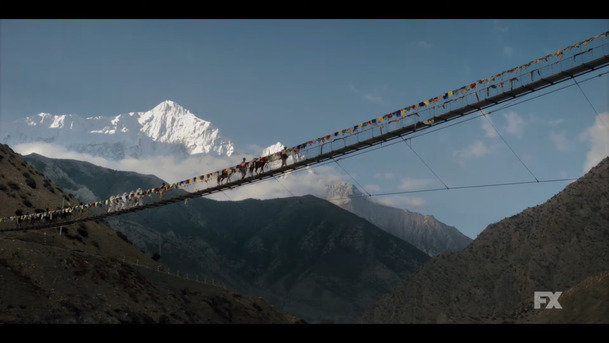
(168,128)
(342,190)
(341,193)
(170,107)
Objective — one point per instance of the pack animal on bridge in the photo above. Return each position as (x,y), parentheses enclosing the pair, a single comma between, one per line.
(226,174)
(257,165)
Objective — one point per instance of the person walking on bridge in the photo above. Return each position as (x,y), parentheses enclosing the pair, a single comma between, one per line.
(284,157)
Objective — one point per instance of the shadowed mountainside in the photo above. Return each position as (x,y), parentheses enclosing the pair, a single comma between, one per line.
(304,255)
(86,273)
(423,231)
(561,245)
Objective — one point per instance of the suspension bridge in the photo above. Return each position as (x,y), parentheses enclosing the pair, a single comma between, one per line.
(547,71)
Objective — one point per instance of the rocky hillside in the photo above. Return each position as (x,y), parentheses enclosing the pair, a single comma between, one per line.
(423,231)
(86,273)
(561,245)
(304,255)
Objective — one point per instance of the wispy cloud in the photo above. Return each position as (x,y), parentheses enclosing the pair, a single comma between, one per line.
(368,96)
(555,122)
(489,131)
(515,124)
(499,27)
(598,137)
(474,150)
(415,184)
(560,140)
(385,176)
(254,149)
(421,44)
(372,187)
(373,98)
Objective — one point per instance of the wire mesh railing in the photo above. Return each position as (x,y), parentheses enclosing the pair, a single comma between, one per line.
(562,65)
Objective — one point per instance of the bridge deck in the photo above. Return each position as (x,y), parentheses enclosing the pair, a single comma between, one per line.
(525,88)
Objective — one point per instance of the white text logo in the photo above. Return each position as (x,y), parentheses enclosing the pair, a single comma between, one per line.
(550,297)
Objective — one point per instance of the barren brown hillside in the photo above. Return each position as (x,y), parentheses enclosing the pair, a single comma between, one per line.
(561,245)
(86,273)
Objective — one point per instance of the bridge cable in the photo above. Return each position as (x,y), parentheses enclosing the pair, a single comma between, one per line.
(282,185)
(508,104)
(361,187)
(408,142)
(463,120)
(506,143)
(426,132)
(511,103)
(600,118)
(482,186)
(235,202)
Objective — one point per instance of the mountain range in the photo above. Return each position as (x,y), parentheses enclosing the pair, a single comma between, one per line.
(89,274)
(423,231)
(304,255)
(167,129)
(183,236)
(558,247)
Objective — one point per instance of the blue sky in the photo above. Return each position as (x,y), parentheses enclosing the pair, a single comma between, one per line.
(289,81)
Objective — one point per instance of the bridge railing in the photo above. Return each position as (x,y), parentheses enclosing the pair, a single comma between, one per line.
(543,72)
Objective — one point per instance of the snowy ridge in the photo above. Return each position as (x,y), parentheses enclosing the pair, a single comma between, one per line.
(166,129)
(277,147)
(341,193)
(423,231)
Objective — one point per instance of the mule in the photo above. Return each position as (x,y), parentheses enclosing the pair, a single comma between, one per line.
(226,174)
(257,166)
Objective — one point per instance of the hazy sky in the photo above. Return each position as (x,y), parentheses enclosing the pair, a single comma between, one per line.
(289,81)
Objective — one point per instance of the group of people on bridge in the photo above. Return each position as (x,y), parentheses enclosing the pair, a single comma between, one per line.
(42,217)
(254,167)
(129,200)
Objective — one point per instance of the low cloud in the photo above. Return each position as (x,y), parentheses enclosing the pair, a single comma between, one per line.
(302,182)
(56,151)
(167,167)
(515,124)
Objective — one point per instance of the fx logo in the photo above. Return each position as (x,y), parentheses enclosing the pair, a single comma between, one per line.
(552,298)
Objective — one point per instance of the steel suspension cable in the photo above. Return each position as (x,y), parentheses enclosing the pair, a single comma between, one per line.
(345,170)
(591,105)
(407,141)
(508,145)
